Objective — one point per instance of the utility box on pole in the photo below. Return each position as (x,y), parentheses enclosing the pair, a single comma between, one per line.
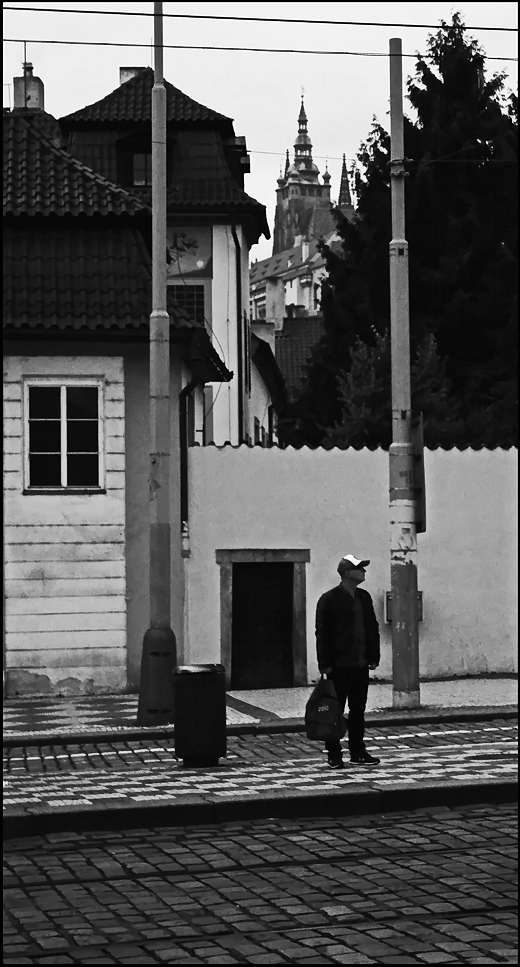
(403,539)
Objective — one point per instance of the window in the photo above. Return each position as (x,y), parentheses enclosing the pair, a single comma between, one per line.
(191,298)
(258,435)
(142,171)
(63,435)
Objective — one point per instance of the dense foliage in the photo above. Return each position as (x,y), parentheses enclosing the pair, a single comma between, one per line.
(461,226)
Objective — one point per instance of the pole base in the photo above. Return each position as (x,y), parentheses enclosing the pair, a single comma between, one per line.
(155,706)
(406,699)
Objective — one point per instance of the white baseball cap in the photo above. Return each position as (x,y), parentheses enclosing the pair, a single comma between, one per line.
(349,561)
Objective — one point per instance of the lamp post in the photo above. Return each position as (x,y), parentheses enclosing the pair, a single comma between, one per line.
(403,539)
(159,645)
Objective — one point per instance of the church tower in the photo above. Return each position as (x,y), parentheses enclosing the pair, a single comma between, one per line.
(345,200)
(302,201)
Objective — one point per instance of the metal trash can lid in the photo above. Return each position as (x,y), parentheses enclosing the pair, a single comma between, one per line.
(198,669)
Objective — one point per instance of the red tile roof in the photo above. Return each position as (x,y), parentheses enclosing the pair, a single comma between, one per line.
(131,101)
(82,274)
(43,179)
(293,348)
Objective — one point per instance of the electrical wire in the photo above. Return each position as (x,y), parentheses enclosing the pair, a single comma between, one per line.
(245,50)
(205,16)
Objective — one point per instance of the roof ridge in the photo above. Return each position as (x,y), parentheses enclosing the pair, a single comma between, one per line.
(146,73)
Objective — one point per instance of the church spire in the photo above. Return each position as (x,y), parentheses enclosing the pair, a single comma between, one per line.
(302,145)
(303,149)
(287,163)
(345,200)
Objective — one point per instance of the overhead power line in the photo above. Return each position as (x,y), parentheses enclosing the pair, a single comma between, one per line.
(247,50)
(290,20)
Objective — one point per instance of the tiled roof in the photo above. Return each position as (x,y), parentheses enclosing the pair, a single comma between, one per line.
(42,179)
(202,179)
(132,101)
(82,276)
(293,348)
(283,262)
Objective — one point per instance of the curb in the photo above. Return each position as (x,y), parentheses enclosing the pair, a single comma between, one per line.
(382,718)
(360,801)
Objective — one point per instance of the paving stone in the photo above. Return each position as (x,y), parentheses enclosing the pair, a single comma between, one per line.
(400,959)
(353,958)
(432,957)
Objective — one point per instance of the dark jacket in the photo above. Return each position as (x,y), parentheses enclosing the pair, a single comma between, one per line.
(334,626)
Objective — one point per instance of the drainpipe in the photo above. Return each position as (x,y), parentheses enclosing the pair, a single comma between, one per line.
(183,446)
(240,338)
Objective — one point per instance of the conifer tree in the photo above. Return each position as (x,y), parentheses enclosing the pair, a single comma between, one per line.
(461,218)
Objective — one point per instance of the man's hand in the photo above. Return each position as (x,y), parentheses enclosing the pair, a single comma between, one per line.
(372,667)
(325,671)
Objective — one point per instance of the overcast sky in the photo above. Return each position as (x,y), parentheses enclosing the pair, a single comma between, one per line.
(260,91)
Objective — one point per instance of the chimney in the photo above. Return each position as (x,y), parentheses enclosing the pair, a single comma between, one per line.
(28,90)
(126,73)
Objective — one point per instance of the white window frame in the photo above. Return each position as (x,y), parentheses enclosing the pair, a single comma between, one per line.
(64,383)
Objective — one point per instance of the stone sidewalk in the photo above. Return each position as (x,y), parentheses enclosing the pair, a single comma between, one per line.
(39,720)
(115,785)
(83,763)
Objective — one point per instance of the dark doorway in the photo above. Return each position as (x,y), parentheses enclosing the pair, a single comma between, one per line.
(262,650)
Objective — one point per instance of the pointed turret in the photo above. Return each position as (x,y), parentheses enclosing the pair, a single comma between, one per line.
(345,200)
(287,162)
(303,149)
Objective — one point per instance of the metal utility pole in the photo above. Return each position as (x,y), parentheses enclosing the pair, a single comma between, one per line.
(403,541)
(159,658)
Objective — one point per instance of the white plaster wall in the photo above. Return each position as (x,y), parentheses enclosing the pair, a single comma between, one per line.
(336,502)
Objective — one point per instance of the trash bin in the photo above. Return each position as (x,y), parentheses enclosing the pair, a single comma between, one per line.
(200,714)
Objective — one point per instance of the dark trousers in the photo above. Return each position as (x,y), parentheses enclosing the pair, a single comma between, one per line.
(351,684)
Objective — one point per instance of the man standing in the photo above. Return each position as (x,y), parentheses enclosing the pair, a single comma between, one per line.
(347,643)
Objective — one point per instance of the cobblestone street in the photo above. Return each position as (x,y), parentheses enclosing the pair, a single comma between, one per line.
(430,886)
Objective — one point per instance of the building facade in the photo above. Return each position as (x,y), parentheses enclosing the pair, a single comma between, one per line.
(77,301)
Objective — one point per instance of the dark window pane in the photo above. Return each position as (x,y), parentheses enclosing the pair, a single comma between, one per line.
(44,402)
(191,298)
(44,471)
(82,470)
(44,436)
(142,169)
(82,436)
(82,402)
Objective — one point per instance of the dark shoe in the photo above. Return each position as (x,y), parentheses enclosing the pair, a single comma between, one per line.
(336,762)
(365,759)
